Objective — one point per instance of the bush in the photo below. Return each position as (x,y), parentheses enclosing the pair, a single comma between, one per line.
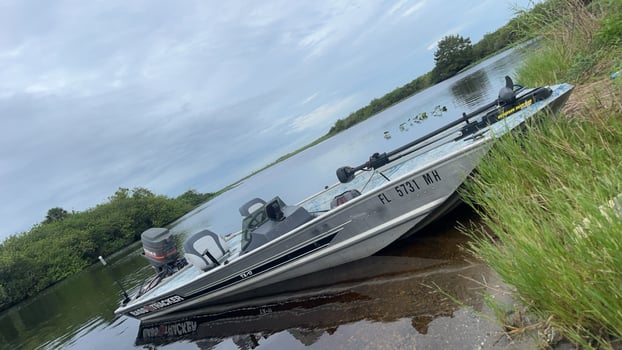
(65,243)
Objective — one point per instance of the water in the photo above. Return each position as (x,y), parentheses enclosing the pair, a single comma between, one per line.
(388,300)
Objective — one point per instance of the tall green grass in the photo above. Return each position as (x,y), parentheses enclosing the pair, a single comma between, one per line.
(568,29)
(546,196)
(551,198)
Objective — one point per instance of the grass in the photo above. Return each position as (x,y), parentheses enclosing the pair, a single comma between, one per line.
(551,198)
(545,196)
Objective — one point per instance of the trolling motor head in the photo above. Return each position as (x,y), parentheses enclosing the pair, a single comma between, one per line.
(507,96)
(345,174)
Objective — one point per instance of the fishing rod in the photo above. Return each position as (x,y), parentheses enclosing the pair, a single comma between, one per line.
(507,98)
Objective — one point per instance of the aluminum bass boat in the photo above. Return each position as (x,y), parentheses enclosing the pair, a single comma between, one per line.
(372,205)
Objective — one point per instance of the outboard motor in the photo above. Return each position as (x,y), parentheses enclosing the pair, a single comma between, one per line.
(206,250)
(159,247)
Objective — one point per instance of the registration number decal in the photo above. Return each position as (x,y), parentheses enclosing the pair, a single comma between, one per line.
(412,186)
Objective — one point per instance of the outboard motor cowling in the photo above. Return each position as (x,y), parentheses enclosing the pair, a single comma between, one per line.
(205,250)
(159,246)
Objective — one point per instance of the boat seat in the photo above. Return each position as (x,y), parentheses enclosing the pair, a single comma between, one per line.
(205,250)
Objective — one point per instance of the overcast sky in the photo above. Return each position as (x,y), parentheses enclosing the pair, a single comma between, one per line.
(178,95)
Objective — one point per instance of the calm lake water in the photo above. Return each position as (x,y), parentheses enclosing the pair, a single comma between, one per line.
(390,300)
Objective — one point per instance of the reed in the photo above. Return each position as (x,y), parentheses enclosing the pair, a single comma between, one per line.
(567,29)
(546,198)
(551,197)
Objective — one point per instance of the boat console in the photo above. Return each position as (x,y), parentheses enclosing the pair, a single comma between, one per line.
(265,221)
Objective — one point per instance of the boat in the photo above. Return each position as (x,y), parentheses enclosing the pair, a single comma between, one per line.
(387,197)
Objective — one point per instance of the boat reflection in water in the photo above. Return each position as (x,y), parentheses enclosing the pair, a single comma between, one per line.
(407,283)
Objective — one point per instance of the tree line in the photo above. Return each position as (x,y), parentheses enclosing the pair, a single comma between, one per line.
(453,54)
(67,242)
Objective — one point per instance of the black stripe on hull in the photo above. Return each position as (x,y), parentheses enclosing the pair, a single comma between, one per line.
(296,254)
(300,252)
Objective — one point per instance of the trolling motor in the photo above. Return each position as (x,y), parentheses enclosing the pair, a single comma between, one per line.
(508,101)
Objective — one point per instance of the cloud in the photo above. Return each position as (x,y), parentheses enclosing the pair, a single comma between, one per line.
(322,115)
(191,94)
(13,52)
(416,7)
(339,25)
(396,7)
(452,31)
(313,41)
(310,98)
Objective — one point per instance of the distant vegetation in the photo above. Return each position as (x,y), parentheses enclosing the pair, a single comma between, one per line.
(65,243)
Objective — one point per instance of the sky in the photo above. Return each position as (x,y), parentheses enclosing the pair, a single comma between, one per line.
(179,95)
